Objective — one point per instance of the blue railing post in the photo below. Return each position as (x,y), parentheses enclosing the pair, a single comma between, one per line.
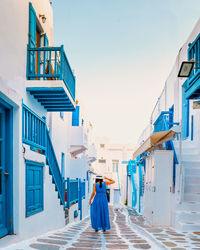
(68,193)
(61,61)
(80,200)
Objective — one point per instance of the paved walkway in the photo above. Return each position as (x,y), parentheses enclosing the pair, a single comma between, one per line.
(128,231)
(82,236)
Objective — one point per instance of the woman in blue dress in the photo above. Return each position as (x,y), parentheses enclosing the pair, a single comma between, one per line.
(99,212)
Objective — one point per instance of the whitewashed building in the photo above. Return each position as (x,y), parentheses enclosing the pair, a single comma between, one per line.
(172,139)
(37,105)
(111,162)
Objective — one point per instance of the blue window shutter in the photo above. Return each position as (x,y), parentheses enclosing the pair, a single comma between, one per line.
(75,117)
(32,26)
(34,188)
(185,115)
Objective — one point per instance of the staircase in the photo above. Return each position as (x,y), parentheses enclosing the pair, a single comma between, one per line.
(54,169)
(187,214)
(35,133)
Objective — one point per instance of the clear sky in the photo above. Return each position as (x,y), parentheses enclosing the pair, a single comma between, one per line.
(122,52)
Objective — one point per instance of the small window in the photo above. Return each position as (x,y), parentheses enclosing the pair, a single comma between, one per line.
(34,188)
(102,161)
(102,145)
(115,166)
(62,115)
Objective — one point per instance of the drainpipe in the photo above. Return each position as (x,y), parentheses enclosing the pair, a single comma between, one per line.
(181,183)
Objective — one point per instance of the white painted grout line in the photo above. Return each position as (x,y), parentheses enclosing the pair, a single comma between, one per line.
(119,235)
(103,241)
(156,244)
(24,245)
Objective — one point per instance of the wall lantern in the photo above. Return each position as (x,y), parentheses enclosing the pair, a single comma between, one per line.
(43,18)
(186,68)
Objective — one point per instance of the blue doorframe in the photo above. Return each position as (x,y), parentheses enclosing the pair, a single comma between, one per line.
(6,169)
(185,115)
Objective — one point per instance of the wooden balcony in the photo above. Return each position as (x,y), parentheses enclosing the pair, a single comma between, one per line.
(50,78)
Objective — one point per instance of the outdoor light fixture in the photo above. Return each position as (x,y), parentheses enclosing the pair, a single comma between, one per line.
(186,68)
(43,18)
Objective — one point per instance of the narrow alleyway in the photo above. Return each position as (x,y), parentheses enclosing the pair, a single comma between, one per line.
(127,232)
(82,236)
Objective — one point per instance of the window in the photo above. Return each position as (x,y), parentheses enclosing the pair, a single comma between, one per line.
(115,166)
(102,161)
(62,115)
(34,188)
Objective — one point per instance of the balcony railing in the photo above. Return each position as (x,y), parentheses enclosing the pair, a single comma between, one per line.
(50,63)
(36,134)
(192,84)
(72,191)
(33,129)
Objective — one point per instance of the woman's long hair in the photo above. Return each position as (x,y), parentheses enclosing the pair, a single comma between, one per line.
(99,180)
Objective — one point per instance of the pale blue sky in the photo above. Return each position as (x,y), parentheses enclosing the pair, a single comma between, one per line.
(122,52)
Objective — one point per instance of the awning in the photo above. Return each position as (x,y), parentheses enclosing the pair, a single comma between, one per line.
(154,140)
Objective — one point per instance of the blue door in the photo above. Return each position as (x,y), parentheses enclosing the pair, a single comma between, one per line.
(116,196)
(3,175)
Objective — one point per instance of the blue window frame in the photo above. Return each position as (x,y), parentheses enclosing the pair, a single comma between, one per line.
(34,188)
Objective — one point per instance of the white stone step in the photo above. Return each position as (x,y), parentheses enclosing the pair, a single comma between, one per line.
(188,226)
(189,206)
(192,179)
(185,216)
(192,170)
(192,188)
(192,197)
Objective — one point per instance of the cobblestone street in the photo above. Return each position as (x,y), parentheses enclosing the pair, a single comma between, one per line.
(127,232)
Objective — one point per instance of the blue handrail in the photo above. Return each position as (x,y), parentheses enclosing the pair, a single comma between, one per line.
(54,168)
(51,64)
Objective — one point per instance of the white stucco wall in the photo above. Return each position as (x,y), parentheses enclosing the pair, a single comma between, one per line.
(13,64)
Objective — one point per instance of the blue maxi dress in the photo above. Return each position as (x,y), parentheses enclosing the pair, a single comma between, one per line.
(99,212)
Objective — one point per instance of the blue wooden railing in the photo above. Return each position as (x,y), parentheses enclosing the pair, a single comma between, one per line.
(193,53)
(81,196)
(83,189)
(54,168)
(72,191)
(36,134)
(50,63)
(33,129)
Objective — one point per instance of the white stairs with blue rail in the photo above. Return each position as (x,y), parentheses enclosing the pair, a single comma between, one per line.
(187,214)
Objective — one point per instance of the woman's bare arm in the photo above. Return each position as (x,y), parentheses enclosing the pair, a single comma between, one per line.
(92,195)
(109,182)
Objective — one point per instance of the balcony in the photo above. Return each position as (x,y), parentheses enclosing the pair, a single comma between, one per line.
(92,153)
(50,78)
(192,84)
(78,140)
